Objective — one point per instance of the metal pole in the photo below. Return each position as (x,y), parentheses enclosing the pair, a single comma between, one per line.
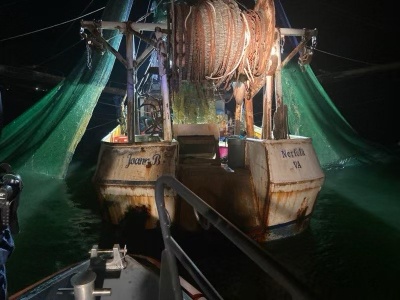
(249,115)
(267,107)
(130,89)
(162,56)
(249,247)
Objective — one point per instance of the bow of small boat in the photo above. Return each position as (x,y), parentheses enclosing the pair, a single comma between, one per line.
(108,274)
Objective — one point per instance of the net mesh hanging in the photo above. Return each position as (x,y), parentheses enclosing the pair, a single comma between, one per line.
(43,139)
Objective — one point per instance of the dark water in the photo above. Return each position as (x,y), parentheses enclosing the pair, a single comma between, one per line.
(350,251)
(352,248)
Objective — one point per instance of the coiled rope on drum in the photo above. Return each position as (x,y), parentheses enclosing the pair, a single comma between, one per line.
(215,40)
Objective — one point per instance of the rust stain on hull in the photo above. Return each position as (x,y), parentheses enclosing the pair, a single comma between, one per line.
(117,201)
(267,198)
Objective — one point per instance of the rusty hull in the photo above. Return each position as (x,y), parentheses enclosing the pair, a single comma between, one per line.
(287,178)
(270,197)
(126,175)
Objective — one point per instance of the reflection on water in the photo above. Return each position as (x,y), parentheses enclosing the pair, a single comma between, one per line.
(350,251)
(58,226)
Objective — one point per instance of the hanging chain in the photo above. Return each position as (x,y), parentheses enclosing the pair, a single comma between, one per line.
(93,40)
(85,37)
(88,56)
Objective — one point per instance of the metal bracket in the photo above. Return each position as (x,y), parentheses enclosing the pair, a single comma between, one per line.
(117,260)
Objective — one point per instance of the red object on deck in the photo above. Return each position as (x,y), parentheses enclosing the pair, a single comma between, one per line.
(120,139)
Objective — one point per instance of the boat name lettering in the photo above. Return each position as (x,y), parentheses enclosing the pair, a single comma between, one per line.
(155,160)
(297,164)
(292,153)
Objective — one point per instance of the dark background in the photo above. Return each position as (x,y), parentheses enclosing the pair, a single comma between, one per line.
(354,37)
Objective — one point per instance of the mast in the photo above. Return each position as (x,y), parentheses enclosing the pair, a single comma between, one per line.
(162,55)
(130,29)
(277,123)
(131,99)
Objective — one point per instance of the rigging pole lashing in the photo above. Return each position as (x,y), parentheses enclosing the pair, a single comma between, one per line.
(215,42)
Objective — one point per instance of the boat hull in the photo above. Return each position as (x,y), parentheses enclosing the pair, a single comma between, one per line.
(268,189)
(125,177)
(269,192)
(287,178)
(101,277)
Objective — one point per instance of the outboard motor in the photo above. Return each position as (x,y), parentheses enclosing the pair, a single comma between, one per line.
(10,189)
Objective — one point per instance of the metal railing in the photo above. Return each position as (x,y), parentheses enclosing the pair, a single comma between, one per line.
(169,282)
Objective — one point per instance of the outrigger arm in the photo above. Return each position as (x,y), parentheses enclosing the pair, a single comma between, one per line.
(276,124)
(273,84)
(129,29)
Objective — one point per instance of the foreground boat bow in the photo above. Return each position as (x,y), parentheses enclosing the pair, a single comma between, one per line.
(114,274)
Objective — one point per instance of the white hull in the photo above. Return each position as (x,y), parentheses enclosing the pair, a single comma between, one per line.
(287,178)
(269,193)
(126,174)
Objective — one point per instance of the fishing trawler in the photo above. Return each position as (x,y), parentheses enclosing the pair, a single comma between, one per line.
(269,182)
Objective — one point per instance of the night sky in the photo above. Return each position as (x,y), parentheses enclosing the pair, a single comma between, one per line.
(351,35)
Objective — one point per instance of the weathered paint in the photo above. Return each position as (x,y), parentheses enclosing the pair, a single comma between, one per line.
(135,162)
(230,193)
(126,174)
(287,178)
(117,200)
(272,196)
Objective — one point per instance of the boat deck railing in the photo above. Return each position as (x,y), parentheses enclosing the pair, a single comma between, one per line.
(169,281)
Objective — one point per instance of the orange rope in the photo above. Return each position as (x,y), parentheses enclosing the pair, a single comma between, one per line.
(222,42)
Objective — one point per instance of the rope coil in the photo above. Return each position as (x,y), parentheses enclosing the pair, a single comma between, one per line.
(215,40)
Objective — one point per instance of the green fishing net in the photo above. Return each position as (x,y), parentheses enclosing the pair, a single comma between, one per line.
(312,113)
(43,139)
